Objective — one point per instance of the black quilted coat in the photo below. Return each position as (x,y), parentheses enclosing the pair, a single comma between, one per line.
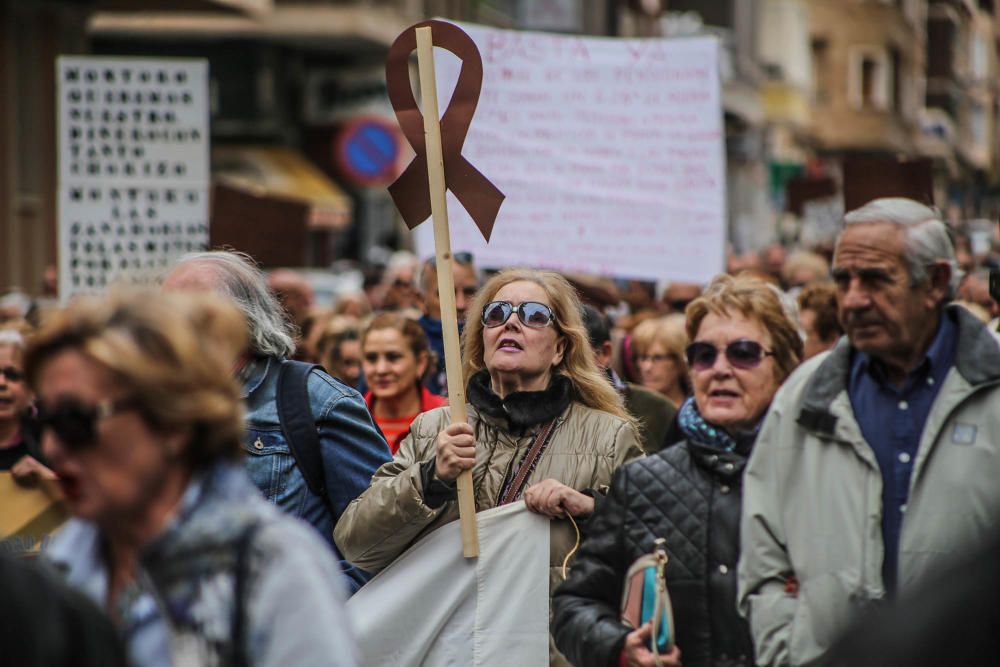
(688,494)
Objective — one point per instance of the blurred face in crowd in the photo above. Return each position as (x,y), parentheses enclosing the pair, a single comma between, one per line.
(678,295)
(14,393)
(114,475)
(774,259)
(391,368)
(659,370)
(813,343)
(882,312)
(466,285)
(728,395)
(346,365)
(293,293)
(975,289)
(638,295)
(519,355)
(401,291)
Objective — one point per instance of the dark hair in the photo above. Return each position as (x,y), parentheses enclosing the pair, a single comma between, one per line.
(821,298)
(597,324)
(329,346)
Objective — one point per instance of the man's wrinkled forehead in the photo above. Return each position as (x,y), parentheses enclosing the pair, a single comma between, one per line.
(877,243)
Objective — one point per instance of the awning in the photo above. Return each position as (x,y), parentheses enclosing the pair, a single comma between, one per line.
(743,100)
(377,26)
(248,6)
(284,173)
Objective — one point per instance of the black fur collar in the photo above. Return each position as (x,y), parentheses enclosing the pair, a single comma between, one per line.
(521,409)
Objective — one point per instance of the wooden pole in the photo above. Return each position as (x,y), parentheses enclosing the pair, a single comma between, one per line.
(446,280)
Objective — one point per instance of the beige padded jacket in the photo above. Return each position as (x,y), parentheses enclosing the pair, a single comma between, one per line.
(586,447)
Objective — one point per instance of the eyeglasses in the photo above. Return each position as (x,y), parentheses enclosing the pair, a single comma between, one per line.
(12,374)
(531,313)
(743,354)
(75,422)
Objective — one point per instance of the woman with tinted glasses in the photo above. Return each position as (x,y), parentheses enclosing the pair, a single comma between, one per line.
(658,352)
(395,356)
(143,422)
(743,347)
(530,377)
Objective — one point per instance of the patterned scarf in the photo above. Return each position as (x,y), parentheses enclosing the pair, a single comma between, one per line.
(694,426)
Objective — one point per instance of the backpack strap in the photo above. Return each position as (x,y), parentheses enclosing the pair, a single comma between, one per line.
(241,575)
(298,424)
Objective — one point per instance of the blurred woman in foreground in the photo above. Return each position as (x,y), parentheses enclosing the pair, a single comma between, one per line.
(142,421)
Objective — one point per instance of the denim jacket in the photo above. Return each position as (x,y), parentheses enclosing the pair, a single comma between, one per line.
(352,450)
(181,607)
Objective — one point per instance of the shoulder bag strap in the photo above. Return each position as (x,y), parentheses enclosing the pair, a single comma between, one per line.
(513,488)
(298,423)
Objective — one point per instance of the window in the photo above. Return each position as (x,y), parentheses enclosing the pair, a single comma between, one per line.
(869,80)
(978,57)
(977,126)
(869,83)
(820,71)
(896,79)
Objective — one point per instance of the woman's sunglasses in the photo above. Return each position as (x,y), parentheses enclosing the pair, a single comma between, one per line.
(531,313)
(12,374)
(743,354)
(75,423)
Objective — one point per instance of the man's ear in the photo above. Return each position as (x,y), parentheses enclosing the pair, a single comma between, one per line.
(938,281)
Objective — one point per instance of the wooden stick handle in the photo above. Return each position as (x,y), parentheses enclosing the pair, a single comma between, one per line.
(446,280)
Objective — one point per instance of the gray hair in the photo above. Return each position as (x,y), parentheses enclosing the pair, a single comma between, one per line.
(271,334)
(927,239)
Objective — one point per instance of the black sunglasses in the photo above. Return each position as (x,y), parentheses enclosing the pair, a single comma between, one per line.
(531,313)
(75,423)
(12,374)
(463,258)
(743,354)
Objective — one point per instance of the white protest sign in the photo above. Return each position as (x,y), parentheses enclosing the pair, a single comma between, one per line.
(133,167)
(491,611)
(610,153)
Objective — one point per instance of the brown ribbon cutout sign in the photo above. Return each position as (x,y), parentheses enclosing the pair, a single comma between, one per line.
(410,192)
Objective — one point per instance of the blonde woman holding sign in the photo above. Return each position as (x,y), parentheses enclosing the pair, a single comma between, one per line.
(543,425)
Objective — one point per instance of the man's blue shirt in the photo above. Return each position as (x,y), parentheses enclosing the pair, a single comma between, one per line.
(892,420)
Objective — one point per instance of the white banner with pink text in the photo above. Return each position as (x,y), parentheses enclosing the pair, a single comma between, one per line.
(610,151)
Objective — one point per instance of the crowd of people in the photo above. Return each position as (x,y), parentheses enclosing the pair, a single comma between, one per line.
(810,437)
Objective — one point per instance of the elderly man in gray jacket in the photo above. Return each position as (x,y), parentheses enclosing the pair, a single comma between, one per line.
(878,461)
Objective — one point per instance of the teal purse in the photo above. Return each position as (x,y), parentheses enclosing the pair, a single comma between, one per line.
(645,598)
